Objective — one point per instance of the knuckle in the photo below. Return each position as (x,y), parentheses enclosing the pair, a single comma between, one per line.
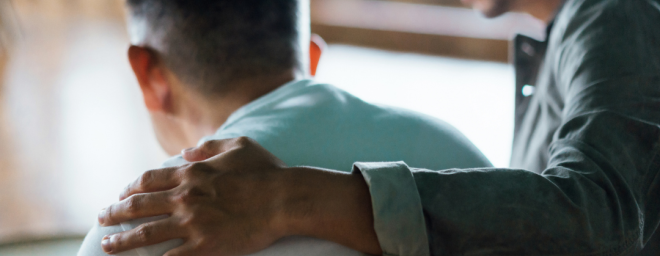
(110,214)
(208,144)
(189,220)
(179,199)
(144,233)
(183,199)
(188,171)
(133,204)
(243,141)
(197,167)
(195,170)
(145,179)
(202,243)
(187,196)
(186,221)
(192,218)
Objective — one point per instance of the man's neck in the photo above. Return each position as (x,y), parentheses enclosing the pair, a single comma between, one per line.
(208,113)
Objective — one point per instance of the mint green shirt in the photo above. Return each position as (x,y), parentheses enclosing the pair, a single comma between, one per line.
(306,123)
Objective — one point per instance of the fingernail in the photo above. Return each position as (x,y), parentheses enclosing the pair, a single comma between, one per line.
(105,243)
(101,215)
(186,150)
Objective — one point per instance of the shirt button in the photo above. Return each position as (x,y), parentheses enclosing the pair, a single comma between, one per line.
(528,90)
(528,48)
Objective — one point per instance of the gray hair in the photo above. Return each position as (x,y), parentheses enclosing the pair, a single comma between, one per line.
(211,43)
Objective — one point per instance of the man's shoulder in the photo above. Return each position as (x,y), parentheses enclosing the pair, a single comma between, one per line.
(596,6)
(318,120)
(316,103)
(411,119)
(617,36)
(327,109)
(342,106)
(603,13)
(322,108)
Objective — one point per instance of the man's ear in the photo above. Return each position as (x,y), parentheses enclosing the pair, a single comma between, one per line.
(316,48)
(156,88)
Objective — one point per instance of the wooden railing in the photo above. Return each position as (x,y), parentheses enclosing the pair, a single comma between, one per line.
(437,27)
(5,16)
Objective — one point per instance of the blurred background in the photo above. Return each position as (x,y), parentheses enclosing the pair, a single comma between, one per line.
(74,132)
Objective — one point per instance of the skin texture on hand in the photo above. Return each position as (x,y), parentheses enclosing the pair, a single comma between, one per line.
(236,198)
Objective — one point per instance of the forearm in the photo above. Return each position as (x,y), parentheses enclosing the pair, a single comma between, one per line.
(595,198)
(330,205)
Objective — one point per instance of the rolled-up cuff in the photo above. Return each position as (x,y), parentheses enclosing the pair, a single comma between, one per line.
(398,217)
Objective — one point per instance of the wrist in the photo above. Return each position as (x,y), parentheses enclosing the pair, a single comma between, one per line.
(301,200)
(283,222)
(325,204)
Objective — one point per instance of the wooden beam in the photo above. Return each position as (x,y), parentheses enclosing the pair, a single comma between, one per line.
(424,26)
(470,48)
(452,3)
(4,58)
(4,40)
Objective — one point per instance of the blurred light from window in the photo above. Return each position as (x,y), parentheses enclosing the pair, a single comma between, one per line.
(474,96)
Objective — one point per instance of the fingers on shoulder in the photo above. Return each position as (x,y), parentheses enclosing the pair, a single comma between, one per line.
(152,181)
(146,234)
(137,206)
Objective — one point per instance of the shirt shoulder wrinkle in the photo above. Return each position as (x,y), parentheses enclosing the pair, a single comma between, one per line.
(581,18)
(579,34)
(269,100)
(654,3)
(577,14)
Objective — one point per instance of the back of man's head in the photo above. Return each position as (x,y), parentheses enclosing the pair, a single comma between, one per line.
(209,44)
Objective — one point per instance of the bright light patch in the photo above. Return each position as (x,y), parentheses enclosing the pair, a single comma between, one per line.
(476,97)
(528,90)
